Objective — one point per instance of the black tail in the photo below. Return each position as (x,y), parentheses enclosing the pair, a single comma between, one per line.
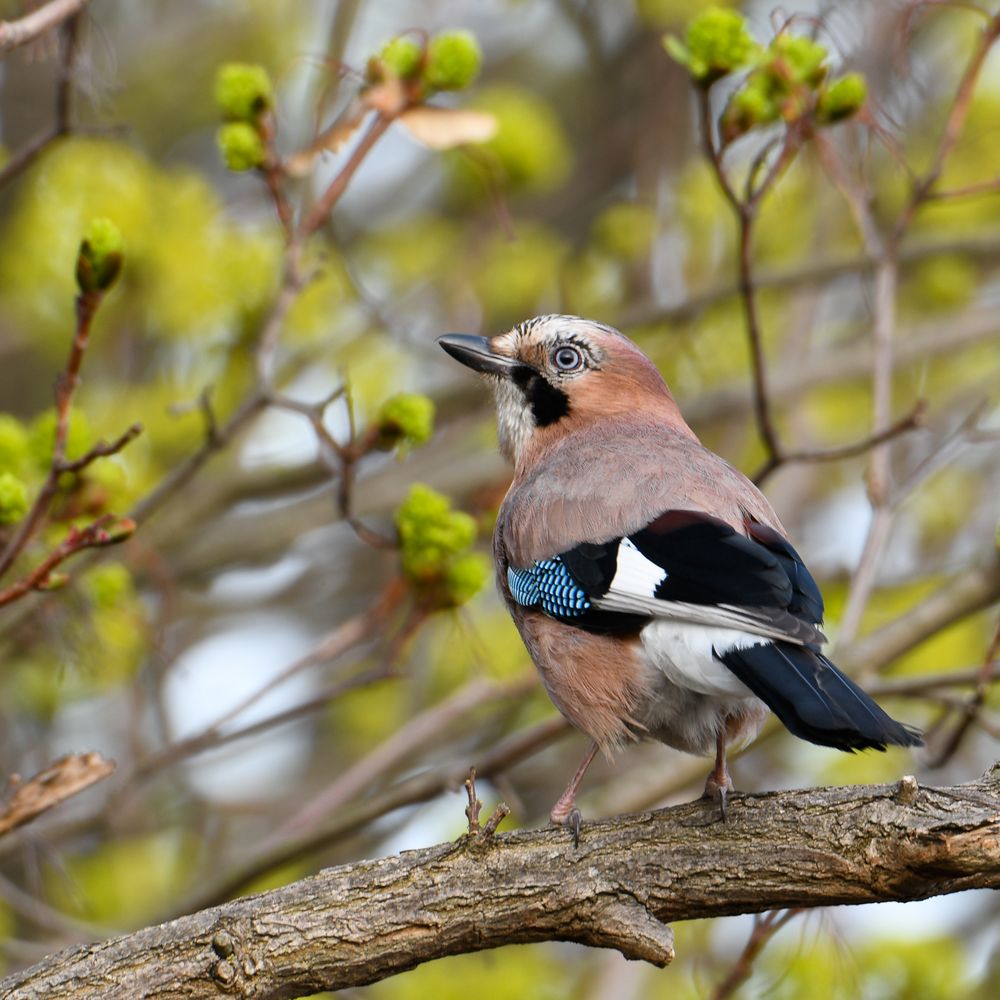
(814,700)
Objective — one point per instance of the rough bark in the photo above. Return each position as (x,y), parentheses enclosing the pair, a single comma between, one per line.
(358,923)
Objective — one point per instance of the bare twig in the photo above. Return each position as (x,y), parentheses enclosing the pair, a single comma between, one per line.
(61,780)
(420,788)
(970,709)
(95,534)
(319,213)
(952,127)
(475,805)
(398,747)
(765,926)
(37,23)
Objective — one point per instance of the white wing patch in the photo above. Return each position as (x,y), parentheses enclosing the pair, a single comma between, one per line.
(635,575)
(686,654)
(633,591)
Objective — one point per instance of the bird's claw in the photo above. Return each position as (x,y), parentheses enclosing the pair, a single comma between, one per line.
(571,819)
(718,791)
(574,821)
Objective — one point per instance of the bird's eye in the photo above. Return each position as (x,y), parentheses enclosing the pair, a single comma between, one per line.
(567,359)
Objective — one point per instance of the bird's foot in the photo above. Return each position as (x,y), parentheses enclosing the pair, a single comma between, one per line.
(717,788)
(566,814)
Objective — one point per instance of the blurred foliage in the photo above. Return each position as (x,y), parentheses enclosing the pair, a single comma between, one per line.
(592,196)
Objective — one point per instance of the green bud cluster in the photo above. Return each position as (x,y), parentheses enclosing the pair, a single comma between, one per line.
(449,61)
(716,43)
(241,146)
(787,80)
(406,419)
(109,585)
(403,57)
(790,83)
(99,261)
(453,60)
(435,542)
(15,453)
(42,435)
(243,93)
(13,498)
(841,98)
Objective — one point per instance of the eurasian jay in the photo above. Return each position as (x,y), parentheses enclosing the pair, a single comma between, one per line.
(651,582)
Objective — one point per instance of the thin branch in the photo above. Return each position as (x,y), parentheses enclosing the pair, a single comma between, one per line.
(100,532)
(66,777)
(765,926)
(953,125)
(412,791)
(971,708)
(912,421)
(399,747)
(37,23)
(320,212)
(963,595)
(106,530)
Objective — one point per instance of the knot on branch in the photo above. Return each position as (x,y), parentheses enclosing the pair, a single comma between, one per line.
(233,965)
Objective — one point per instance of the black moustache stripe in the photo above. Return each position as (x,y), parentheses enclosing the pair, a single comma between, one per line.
(548,404)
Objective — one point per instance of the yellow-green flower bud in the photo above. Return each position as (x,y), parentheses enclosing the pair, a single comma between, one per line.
(797,60)
(42,436)
(13,498)
(408,417)
(403,57)
(243,91)
(430,533)
(453,60)
(99,261)
(465,577)
(753,104)
(844,97)
(241,146)
(716,43)
(109,585)
(14,450)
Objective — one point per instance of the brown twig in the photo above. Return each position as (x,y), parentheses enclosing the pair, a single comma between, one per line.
(320,212)
(24,157)
(94,536)
(475,804)
(37,23)
(970,708)
(87,304)
(421,788)
(340,640)
(747,210)
(765,926)
(952,127)
(912,421)
(925,684)
(61,780)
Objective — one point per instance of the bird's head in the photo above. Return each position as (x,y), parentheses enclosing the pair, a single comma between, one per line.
(553,375)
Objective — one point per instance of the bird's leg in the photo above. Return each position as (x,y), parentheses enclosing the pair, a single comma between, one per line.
(565,812)
(718,784)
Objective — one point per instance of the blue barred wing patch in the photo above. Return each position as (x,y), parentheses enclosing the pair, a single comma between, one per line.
(548,583)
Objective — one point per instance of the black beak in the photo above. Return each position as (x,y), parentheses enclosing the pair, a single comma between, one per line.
(475,353)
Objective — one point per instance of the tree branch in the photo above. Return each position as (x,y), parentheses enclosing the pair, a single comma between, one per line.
(359,923)
(37,23)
